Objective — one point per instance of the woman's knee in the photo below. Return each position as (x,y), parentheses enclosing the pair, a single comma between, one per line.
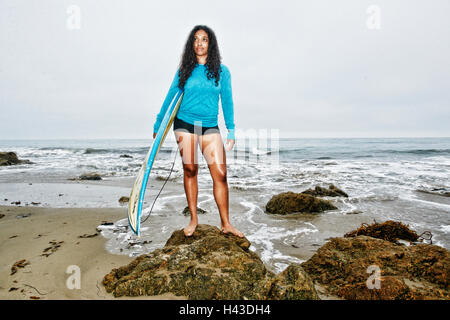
(190,170)
(219,173)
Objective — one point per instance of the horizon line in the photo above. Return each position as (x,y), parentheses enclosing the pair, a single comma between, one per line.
(285,137)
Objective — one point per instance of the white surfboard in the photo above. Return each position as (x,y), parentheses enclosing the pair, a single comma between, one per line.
(140,184)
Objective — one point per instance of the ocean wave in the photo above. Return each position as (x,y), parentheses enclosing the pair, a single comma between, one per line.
(263,237)
(138,150)
(445,192)
(87,166)
(254,151)
(57,148)
(92,151)
(428,203)
(373,198)
(290,150)
(445,228)
(415,151)
(167,150)
(246,187)
(364,156)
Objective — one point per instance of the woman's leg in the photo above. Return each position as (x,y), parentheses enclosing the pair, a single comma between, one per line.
(187,143)
(214,153)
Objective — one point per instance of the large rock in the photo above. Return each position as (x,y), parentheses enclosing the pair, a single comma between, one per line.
(10,158)
(388,230)
(208,265)
(332,191)
(290,202)
(344,265)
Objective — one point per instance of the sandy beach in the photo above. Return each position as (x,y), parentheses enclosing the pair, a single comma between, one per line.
(49,216)
(45,277)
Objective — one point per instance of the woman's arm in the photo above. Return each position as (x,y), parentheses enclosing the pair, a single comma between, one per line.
(172,91)
(226,97)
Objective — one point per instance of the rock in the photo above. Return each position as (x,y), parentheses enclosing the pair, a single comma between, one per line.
(1,215)
(290,202)
(436,191)
(207,265)
(10,158)
(124,199)
(332,191)
(187,212)
(406,272)
(293,284)
(125,156)
(388,230)
(90,176)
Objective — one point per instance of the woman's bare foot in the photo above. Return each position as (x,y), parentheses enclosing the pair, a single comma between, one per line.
(230,229)
(189,230)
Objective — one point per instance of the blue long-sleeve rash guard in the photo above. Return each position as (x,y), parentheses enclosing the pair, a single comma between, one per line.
(201,99)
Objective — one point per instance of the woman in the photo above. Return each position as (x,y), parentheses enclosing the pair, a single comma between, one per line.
(203,79)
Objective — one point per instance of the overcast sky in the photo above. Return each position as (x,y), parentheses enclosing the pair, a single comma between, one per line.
(308,68)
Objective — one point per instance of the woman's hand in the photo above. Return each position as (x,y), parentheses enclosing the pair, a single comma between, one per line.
(229,145)
(154,135)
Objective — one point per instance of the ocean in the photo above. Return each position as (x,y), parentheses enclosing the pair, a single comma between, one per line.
(401,179)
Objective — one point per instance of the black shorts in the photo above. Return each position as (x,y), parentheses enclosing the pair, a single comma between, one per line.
(183,126)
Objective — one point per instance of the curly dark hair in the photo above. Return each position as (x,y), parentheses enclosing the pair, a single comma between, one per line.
(189,58)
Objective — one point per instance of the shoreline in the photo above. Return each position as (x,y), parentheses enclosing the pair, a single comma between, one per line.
(303,234)
(56,232)
(76,194)
(49,243)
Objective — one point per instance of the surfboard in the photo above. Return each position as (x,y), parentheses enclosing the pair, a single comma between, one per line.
(140,184)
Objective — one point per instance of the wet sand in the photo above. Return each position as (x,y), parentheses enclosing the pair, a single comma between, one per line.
(49,239)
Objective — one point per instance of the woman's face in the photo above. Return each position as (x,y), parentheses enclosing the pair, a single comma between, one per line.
(201,42)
